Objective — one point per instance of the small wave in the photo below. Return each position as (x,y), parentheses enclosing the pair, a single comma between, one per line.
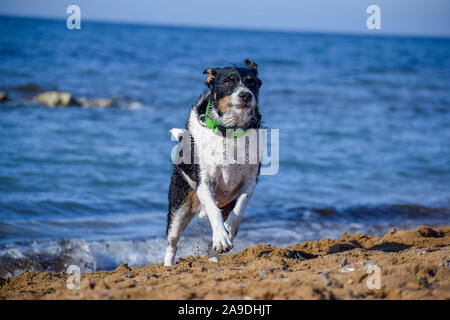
(45,256)
(368,217)
(384,211)
(58,255)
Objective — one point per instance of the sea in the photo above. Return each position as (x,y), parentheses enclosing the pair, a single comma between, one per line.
(363,123)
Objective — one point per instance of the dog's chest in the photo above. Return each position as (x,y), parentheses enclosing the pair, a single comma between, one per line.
(217,163)
(228,181)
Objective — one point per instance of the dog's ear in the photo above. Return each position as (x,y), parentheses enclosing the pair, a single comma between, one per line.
(211,72)
(259,82)
(251,65)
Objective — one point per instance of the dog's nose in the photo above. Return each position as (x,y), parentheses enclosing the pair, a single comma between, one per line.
(245,96)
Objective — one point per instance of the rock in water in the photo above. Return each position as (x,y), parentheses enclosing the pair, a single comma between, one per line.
(101,102)
(56,98)
(3,97)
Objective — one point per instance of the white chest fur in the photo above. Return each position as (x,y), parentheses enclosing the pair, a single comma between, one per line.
(217,161)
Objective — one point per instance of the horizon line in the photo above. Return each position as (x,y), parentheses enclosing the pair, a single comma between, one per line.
(236,28)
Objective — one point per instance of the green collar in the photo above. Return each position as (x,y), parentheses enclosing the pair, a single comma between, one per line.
(216,126)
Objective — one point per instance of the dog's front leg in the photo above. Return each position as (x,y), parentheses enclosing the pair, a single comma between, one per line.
(236,215)
(221,240)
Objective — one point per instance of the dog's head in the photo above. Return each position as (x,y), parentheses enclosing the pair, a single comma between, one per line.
(234,93)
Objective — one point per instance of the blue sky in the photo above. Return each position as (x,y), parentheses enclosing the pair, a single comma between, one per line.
(403,17)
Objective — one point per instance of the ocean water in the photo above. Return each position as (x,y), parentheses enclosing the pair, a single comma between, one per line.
(363,121)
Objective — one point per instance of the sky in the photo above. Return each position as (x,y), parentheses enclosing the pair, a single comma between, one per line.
(398,17)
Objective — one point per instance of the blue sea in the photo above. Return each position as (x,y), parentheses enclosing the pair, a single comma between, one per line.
(364,137)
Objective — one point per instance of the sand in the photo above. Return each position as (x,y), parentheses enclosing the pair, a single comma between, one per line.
(411,264)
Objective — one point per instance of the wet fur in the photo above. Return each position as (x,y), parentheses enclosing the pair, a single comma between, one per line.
(206,186)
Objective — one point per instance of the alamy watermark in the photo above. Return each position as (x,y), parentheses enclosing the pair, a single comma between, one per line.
(374,279)
(74,20)
(251,147)
(374,20)
(73,282)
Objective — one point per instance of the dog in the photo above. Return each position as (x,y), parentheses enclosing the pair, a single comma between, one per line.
(216,190)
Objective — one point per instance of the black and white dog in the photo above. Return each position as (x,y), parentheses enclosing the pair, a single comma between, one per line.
(208,185)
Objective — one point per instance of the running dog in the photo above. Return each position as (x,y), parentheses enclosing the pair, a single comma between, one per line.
(207,185)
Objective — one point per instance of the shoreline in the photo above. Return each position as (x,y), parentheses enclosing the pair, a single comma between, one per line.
(413,264)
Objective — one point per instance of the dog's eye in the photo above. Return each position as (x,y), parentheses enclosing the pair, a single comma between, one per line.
(228,82)
(250,82)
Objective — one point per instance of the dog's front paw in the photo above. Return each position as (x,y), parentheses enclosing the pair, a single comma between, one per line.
(231,225)
(221,241)
(231,229)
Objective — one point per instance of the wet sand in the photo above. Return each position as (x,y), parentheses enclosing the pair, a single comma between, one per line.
(412,264)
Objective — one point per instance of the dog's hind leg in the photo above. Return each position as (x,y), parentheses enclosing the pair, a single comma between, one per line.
(179,220)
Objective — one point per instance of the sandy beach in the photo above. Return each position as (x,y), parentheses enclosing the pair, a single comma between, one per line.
(413,264)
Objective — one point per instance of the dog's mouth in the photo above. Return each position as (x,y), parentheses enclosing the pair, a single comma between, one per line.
(243,106)
(237,114)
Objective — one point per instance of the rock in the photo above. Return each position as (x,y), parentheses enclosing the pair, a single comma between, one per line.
(3,97)
(56,98)
(100,102)
(341,247)
(59,98)
(427,232)
(298,255)
(390,247)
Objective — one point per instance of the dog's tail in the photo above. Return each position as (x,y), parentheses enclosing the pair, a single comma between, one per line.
(177,133)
